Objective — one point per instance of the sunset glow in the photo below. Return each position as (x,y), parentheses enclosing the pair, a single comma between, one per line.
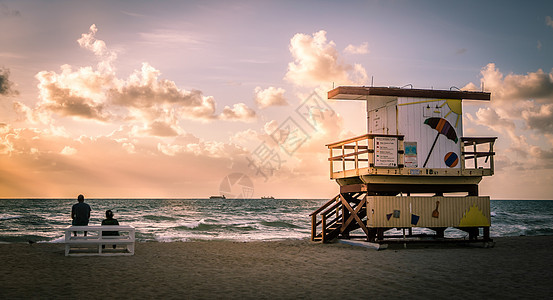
(167,98)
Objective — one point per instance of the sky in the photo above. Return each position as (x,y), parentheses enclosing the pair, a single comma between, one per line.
(187,99)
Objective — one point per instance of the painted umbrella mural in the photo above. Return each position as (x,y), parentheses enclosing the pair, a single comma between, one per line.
(443,127)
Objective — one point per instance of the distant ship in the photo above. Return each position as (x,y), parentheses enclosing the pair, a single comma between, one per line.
(267,197)
(218,197)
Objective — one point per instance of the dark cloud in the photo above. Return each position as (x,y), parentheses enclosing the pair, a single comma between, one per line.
(65,102)
(8,12)
(541,119)
(6,86)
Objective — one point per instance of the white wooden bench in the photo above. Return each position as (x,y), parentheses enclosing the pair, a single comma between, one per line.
(92,243)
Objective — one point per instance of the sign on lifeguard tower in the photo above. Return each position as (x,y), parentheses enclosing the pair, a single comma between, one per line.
(385,151)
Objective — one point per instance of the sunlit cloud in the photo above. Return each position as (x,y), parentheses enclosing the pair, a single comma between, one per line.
(98,47)
(490,118)
(528,97)
(316,61)
(514,87)
(145,91)
(270,96)
(238,112)
(244,137)
(68,151)
(5,146)
(201,148)
(361,49)
(523,98)
(73,94)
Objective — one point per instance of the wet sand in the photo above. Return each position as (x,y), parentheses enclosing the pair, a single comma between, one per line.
(517,267)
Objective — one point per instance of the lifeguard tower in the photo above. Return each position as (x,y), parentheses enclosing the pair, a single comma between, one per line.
(414,168)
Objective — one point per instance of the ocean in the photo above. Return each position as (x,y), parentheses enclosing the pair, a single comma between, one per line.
(169,220)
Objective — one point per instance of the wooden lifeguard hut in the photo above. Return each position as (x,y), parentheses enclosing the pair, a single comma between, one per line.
(414,167)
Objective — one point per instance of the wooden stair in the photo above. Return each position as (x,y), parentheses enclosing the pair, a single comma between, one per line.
(339,216)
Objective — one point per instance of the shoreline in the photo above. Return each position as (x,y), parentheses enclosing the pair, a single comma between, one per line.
(516,266)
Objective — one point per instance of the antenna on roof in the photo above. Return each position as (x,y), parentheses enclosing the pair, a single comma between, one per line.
(372,81)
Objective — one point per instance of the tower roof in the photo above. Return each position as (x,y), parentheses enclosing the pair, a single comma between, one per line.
(362,92)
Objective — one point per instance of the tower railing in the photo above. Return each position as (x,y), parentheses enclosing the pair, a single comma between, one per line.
(362,155)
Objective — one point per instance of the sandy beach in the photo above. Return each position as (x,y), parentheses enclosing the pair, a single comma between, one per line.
(516,267)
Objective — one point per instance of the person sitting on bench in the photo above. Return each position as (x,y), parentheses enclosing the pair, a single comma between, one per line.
(80,213)
(109,220)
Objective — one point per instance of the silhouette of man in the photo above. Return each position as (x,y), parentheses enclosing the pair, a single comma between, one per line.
(80,213)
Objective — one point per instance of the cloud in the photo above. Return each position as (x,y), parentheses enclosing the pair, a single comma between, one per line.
(6,86)
(171,37)
(316,61)
(144,90)
(154,104)
(549,21)
(490,118)
(540,118)
(201,148)
(67,150)
(74,94)
(361,49)
(238,112)
(98,47)
(514,87)
(270,96)
(151,97)
(528,156)
(526,97)
(521,108)
(165,126)
(8,12)
(243,137)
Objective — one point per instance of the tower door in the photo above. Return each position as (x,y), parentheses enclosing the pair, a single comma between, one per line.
(383,120)
(377,121)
